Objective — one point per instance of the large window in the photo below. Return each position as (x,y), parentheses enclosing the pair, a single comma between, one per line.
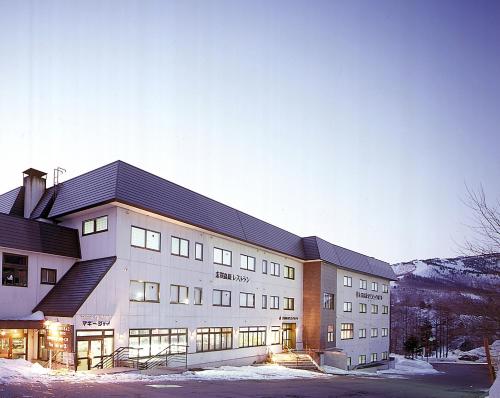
(288,272)
(222,256)
(274,302)
(362,308)
(375,286)
(198,251)
(274,269)
(374,332)
(221,298)
(214,339)
(198,296)
(247,300)
(180,247)
(252,336)
(145,239)
(362,333)
(328,301)
(330,334)
(288,303)
(275,335)
(48,276)
(247,262)
(385,309)
(363,284)
(346,331)
(95,225)
(144,291)
(179,294)
(149,342)
(347,306)
(347,281)
(15,270)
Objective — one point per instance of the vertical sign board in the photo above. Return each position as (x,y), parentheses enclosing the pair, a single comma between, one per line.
(60,337)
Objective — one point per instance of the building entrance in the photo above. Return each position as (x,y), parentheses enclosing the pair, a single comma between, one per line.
(13,343)
(92,346)
(288,335)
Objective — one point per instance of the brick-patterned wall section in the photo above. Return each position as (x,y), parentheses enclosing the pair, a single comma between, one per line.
(312,304)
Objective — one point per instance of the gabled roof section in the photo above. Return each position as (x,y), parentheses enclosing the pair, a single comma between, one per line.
(12,202)
(317,248)
(44,205)
(69,294)
(36,236)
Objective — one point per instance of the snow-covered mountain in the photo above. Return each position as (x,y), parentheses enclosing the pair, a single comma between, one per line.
(461,293)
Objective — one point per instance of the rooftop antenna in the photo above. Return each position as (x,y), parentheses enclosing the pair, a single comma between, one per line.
(57,172)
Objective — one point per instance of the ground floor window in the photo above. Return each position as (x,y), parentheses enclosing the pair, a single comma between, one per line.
(349,362)
(252,336)
(13,343)
(275,335)
(374,357)
(385,355)
(150,342)
(214,339)
(362,359)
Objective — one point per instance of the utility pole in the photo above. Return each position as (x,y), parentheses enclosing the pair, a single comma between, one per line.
(488,359)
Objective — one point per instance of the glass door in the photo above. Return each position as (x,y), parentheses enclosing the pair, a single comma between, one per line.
(82,355)
(92,346)
(288,335)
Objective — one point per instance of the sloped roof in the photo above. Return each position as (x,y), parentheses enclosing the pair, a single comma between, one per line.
(69,294)
(12,202)
(24,234)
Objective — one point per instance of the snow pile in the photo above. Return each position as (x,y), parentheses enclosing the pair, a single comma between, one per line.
(36,316)
(495,389)
(494,351)
(20,371)
(264,372)
(409,367)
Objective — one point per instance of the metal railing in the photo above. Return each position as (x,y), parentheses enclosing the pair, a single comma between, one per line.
(174,356)
(120,358)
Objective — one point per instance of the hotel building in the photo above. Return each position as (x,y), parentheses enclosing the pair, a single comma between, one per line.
(118,257)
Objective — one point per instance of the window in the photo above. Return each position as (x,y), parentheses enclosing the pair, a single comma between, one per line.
(328,302)
(385,355)
(247,300)
(375,286)
(95,225)
(223,257)
(362,284)
(385,309)
(349,363)
(373,357)
(275,303)
(247,262)
(198,296)
(330,334)
(374,332)
(362,308)
(180,247)
(347,281)
(214,339)
(385,289)
(179,294)
(145,239)
(198,251)
(288,272)
(362,333)
(15,270)
(48,276)
(275,335)
(153,341)
(362,359)
(264,266)
(347,306)
(264,301)
(385,332)
(252,336)
(346,331)
(275,269)
(221,298)
(288,303)
(144,291)
(374,309)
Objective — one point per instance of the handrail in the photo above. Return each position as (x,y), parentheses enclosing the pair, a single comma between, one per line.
(164,355)
(121,354)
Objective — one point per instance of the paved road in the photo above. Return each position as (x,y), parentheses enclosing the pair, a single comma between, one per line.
(457,381)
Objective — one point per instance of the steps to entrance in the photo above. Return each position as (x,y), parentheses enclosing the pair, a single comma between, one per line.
(295,361)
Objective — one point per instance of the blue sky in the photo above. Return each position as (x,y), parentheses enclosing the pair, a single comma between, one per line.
(358,121)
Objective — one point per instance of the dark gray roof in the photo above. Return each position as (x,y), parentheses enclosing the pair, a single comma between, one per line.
(24,234)
(68,295)
(43,206)
(12,202)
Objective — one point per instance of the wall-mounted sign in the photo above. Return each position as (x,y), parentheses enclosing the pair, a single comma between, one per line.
(289,318)
(232,277)
(59,336)
(369,296)
(92,320)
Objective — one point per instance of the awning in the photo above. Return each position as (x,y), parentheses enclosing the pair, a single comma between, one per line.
(19,324)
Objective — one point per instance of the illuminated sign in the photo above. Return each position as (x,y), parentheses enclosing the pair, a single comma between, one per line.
(95,320)
(59,336)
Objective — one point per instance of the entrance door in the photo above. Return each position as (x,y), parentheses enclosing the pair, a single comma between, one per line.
(92,347)
(288,334)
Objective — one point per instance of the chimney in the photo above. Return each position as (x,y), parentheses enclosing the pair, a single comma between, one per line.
(34,182)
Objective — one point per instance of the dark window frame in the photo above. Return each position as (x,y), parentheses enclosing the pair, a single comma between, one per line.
(348,328)
(246,300)
(222,257)
(196,245)
(286,303)
(94,220)
(221,291)
(274,299)
(144,289)
(145,247)
(260,332)
(214,331)
(41,276)
(246,256)
(178,294)
(273,266)
(286,272)
(328,301)
(172,237)
(15,269)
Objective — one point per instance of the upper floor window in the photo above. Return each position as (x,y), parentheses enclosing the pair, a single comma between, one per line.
(288,303)
(385,288)
(222,256)
(374,332)
(275,334)
(362,333)
(274,302)
(347,281)
(385,309)
(144,291)
(330,334)
(328,302)
(48,276)
(264,301)
(347,306)
(15,270)
(95,225)
(362,308)
(146,239)
(288,272)
(247,262)
(180,247)
(374,309)
(385,332)
(346,331)
(221,298)
(362,284)
(264,266)
(275,269)
(375,286)
(247,300)
(198,251)
(179,294)
(198,296)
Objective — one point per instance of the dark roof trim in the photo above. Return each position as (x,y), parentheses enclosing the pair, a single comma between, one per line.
(18,324)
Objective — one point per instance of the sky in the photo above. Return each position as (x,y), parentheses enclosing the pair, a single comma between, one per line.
(357,121)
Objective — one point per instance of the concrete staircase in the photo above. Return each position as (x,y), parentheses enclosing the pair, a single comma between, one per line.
(296,360)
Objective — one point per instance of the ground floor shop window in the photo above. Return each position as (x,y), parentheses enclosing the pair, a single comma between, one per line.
(214,339)
(92,346)
(150,342)
(13,343)
(252,336)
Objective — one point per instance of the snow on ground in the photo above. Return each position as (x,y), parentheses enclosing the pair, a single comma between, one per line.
(20,370)
(405,366)
(471,296)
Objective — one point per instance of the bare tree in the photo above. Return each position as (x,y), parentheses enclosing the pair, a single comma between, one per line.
(485,224)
